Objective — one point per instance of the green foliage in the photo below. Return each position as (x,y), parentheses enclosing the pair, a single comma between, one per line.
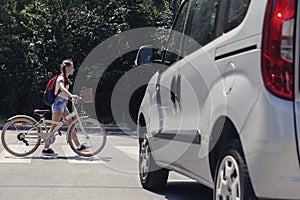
(36,35)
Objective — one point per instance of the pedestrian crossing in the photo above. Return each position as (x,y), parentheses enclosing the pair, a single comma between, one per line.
(80,160)
(131,151)
(66,153)
(6,157)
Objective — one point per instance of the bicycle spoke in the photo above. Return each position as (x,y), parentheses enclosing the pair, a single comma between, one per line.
(89,133)
(15,139)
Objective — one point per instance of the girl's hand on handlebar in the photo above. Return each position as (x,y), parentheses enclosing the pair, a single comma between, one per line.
(74,97)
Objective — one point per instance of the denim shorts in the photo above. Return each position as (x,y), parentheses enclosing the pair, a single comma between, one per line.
(60,105)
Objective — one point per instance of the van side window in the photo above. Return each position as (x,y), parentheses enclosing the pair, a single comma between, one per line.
(201,26)
(173,50)
(235,12)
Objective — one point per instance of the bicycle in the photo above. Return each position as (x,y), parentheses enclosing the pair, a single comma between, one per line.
(22,134)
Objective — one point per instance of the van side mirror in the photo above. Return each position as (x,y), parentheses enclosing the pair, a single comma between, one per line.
(144,56)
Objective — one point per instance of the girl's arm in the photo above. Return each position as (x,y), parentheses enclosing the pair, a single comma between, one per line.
(64,89)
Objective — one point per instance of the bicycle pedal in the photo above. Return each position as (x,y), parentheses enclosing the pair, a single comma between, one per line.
(59,132)
(86,151)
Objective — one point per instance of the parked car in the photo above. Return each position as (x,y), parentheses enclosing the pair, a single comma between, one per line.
(226,111)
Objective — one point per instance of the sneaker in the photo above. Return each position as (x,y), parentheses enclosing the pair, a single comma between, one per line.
(49,153)
(82,148)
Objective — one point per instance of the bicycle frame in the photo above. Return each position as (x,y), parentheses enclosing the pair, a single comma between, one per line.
(22,134)
(42,124)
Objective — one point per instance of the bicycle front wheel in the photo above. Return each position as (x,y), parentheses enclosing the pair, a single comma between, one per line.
(89,133)
(19,136)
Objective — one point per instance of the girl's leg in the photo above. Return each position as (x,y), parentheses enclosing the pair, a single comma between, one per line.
(55,117)
(73,134)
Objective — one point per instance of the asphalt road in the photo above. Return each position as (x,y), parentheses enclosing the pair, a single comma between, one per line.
(111,175)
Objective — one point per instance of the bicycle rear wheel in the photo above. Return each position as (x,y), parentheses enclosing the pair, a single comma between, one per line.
(91,134)
(19,136)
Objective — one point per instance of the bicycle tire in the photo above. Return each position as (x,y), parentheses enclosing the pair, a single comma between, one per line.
(14,138)
(94,139)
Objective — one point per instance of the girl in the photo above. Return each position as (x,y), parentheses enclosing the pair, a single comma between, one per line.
(59,107)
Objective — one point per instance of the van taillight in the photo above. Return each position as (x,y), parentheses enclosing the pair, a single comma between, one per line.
(277,47)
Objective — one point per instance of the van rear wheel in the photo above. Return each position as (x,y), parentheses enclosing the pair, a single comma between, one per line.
(232,179)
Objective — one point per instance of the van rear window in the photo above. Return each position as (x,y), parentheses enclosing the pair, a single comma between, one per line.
(235,12)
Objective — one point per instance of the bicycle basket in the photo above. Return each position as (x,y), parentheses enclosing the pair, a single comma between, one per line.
(87,95)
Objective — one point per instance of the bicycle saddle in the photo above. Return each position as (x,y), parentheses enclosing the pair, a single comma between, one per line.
(41,112)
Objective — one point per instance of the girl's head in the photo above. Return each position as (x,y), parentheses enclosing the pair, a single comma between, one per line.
(67,67)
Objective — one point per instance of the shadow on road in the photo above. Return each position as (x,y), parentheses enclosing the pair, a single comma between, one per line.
(186,191)
(75,158)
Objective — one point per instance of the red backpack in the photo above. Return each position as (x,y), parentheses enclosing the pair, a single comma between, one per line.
(49,96)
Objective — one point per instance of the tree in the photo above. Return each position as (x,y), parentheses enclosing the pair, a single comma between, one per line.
(36,35)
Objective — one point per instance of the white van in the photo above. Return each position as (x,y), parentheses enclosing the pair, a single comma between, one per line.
(226,112)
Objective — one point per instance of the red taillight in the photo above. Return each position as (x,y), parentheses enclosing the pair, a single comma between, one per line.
(277,47)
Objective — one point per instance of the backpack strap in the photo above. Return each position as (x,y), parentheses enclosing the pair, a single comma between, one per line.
(65,84)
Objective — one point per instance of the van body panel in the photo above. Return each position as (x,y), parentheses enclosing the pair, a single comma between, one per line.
(223,79)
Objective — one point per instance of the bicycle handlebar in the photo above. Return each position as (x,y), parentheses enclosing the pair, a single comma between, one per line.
(75,101)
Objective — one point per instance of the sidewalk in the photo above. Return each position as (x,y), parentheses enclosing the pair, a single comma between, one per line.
(110,130)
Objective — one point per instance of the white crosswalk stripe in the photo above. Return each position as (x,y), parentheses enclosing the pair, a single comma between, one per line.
(74,158)
(131,151)
(67,154)
(6,157)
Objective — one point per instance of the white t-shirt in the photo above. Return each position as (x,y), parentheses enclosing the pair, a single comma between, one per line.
(60,78)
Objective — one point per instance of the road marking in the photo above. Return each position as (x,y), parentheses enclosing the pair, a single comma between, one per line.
(6,157)
(132,151)
(74,158)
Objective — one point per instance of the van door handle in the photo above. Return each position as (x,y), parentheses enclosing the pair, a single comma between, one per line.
(172,92)
(178,87)
(175,88)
